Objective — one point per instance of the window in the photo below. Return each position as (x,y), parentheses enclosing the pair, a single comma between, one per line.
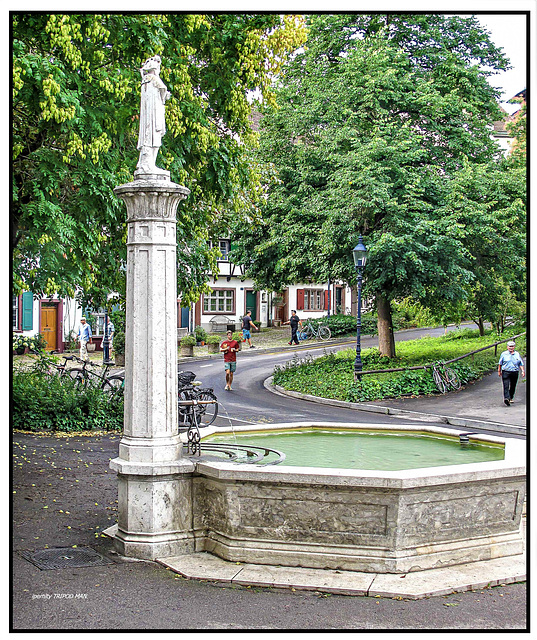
(313,299)
(219,301)
(16,323)
(224,246)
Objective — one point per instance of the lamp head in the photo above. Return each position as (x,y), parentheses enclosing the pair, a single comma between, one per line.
(359,253)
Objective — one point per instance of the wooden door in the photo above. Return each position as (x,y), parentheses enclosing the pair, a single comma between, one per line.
(49,325)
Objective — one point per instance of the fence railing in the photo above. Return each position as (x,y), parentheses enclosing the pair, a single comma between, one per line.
(429,366)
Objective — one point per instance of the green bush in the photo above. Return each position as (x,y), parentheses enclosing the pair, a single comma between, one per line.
(200,333)
(213,338)
(332,375)
(119,342)
(188,341)
(44,402)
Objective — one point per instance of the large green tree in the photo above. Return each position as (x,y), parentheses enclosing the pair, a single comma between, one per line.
(377,115)
(75,125)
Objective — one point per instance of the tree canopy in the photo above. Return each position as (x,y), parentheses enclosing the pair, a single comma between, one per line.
(75,126)
(380,119)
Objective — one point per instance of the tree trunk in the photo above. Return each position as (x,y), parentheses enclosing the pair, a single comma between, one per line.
(385,327)
(481,326)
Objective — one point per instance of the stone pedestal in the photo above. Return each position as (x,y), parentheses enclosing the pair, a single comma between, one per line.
(154,480)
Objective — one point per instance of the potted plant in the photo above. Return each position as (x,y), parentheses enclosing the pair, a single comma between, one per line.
(213,343)
(187,345)
(119,348)
(19,344)
(201,335)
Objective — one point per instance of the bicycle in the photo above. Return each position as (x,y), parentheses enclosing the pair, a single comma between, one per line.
(108,383)
(52,367)
(311,331)
(196,407)
(444,377)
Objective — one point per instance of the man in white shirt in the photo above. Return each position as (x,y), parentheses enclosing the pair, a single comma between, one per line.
(508,367)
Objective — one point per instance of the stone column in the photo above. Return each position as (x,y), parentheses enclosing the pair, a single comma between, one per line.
(154,517)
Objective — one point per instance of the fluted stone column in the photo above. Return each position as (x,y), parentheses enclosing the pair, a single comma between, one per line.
(154,517)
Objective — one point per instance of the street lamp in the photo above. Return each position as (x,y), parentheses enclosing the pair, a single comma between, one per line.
(359,254)
(106,338)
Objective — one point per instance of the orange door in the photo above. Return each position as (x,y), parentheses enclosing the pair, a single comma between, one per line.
(49,319)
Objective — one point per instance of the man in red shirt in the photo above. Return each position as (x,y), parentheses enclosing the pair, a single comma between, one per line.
(229,348)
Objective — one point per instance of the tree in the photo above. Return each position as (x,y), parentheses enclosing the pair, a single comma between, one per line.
(75,128)
(376,115)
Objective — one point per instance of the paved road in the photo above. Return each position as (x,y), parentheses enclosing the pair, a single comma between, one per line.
(64,494)
(251,402)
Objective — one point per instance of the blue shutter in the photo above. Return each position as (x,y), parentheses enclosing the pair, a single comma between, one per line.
(27,311)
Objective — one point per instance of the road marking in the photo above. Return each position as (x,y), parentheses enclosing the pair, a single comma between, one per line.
(205,365)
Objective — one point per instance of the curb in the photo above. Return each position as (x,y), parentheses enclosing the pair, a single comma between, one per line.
(454,421)
(412,586)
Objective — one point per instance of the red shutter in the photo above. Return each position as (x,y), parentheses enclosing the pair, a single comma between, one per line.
(325,300)
(300,299)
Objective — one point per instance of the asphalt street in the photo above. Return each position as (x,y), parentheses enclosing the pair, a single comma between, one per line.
(65,495)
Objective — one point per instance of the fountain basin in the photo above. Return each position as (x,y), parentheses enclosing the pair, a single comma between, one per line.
(361,520)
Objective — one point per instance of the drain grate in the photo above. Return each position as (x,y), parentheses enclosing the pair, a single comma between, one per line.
(65,558)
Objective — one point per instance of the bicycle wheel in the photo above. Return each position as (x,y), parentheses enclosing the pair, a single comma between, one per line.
(439,381)
(453,379)
(114,386)
(185,413)
(206,413)
(77,376)
(325,333)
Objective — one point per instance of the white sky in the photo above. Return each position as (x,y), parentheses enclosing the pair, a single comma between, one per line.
(509,33)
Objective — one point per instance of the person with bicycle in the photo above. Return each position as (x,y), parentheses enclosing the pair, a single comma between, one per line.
(508,367)
(295,323)
(229,348)
(84,336)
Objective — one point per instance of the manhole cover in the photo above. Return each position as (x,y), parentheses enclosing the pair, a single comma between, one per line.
(65,558)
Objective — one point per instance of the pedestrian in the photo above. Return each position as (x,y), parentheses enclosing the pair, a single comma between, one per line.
(508,367)
(295,322)
(110,329)
(84,336)
(247,324)
(229,348)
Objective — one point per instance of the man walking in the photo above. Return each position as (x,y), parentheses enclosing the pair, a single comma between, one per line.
(229,348)
(247,324)
(295,322)
(508,367)
(84,336)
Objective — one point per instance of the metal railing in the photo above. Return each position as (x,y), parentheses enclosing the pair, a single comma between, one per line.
(428,366)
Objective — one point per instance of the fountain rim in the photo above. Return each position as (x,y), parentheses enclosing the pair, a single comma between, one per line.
(515,451)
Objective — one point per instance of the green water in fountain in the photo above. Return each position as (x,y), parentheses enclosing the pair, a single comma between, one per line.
(370,450)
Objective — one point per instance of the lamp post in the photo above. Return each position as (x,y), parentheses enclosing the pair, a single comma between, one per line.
(106,339)
(359,254)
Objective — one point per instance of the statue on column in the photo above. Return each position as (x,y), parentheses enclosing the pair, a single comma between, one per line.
(152,125)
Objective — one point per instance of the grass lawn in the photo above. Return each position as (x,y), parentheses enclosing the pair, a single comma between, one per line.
(332,376)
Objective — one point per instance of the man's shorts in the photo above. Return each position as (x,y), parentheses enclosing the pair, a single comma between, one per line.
(232,366)
(246,334)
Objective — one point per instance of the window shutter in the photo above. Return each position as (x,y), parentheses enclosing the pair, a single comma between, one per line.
(300,299)
(27,311)
(325,300)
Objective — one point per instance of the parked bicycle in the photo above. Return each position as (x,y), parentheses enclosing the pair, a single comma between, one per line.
(318,331)
(196,406)
(56,368)
(87,376)
(444,377)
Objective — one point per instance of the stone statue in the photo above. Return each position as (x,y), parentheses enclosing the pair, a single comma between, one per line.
(152,125)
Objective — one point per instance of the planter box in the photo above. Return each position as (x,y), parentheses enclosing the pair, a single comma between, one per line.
(90,347)
(213,348)
(187,350)
(119,359)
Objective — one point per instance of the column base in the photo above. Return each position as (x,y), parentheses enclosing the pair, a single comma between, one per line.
(155,508)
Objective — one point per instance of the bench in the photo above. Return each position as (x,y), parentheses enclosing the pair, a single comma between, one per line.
(220,324)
